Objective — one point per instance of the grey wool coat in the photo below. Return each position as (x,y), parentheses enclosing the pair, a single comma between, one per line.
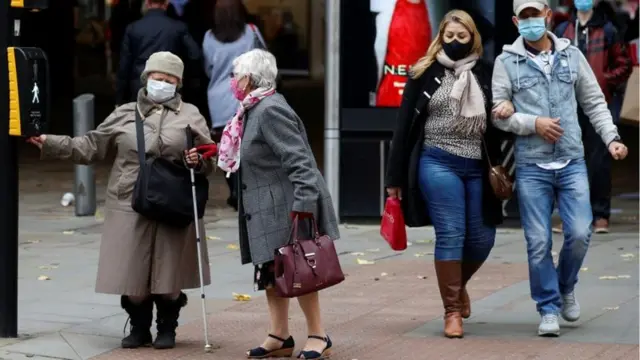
(139,256)
(278,174)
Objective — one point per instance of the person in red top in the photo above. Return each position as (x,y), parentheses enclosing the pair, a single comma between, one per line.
(407,40)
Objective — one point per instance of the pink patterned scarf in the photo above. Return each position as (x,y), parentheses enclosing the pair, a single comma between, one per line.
(229,147)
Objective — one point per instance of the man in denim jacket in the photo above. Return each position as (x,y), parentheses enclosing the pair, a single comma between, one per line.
(546,78)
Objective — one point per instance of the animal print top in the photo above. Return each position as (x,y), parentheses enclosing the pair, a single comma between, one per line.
(438,129)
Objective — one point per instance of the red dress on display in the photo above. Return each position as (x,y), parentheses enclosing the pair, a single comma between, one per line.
(408,40)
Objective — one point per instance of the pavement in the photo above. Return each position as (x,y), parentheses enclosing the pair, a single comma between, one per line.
(387,308)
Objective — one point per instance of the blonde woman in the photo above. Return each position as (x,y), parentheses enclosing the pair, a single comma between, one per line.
(438,164)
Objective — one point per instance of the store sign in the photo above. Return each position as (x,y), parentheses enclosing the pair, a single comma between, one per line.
(28,91)
(403,35)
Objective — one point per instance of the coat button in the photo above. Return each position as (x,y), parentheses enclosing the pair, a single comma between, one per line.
(248,217)
(244,186)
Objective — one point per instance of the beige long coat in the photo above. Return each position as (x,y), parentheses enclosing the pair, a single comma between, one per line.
(139,256)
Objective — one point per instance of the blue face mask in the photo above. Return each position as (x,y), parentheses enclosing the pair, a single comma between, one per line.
(532,29)
(583,5)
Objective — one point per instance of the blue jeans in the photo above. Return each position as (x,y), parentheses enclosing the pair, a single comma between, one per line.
(537,189)
(452,188)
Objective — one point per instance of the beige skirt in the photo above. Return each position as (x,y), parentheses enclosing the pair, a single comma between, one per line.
(140,257)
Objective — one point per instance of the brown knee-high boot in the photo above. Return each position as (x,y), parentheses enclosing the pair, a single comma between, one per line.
(468,269)
(449,275)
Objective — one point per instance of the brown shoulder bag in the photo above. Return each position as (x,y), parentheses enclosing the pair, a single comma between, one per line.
(501,182)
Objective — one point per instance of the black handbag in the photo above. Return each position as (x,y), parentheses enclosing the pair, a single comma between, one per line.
(163,189)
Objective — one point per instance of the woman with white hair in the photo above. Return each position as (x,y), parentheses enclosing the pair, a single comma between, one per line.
(143,260)
(266,143)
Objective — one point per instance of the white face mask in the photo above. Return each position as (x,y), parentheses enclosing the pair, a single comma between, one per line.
(160,91)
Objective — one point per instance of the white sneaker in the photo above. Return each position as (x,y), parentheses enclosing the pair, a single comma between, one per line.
(570,307)
(549,326)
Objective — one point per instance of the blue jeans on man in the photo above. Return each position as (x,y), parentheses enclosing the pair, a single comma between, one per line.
(537,191)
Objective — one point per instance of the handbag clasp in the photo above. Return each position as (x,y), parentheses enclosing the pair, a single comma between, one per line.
(311,263)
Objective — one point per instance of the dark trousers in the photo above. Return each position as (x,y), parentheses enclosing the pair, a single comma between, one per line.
(599,162)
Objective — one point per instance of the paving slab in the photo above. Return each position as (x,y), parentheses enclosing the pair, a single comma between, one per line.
(88,346)
(52,346)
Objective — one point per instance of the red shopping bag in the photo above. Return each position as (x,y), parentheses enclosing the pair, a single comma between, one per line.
(392,228)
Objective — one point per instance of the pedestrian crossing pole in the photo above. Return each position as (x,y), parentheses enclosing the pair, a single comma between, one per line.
(24,111)
(8,189)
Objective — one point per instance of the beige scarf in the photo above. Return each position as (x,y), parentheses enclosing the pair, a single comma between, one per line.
(467,98)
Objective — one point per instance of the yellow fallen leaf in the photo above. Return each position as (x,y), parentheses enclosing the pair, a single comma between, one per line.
(68,232)
(232,247)
(241,297)
(584,269)
(364,262)
(608,278)
(373,250)
(99,215)
(611,308)
(213,238)
(43,278)
(357,253)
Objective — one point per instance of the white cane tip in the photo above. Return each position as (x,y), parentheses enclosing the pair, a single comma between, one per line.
(208,348)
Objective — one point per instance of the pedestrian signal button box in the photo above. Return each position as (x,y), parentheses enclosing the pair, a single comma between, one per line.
(30,4)
(29,103)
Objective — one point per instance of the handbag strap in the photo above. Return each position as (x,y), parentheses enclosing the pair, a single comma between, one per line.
(140,139)
(486,150)
(257,41)
(293,234)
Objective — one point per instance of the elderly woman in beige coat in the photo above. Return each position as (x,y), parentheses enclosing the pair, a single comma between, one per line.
(144,261)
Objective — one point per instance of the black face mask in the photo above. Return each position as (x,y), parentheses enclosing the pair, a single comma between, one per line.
(456,50)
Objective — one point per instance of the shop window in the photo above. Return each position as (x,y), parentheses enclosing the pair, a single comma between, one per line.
(285,25)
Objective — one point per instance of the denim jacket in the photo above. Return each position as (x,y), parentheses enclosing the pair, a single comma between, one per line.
(518,79)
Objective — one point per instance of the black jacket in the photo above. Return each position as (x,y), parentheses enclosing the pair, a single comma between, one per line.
(154,32)
(408,139)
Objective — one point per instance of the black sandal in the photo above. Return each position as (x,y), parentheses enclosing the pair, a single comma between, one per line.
(286,350)
(326,352)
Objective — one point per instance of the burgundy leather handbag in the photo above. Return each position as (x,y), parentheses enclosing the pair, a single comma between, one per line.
(306,266)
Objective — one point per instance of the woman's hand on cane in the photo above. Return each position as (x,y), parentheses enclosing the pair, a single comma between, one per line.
(192,157)
(195,155)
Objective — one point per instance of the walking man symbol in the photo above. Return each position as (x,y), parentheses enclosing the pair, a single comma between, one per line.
(36,94)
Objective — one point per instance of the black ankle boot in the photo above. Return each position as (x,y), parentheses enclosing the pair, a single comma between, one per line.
(141,316)
(168,312)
